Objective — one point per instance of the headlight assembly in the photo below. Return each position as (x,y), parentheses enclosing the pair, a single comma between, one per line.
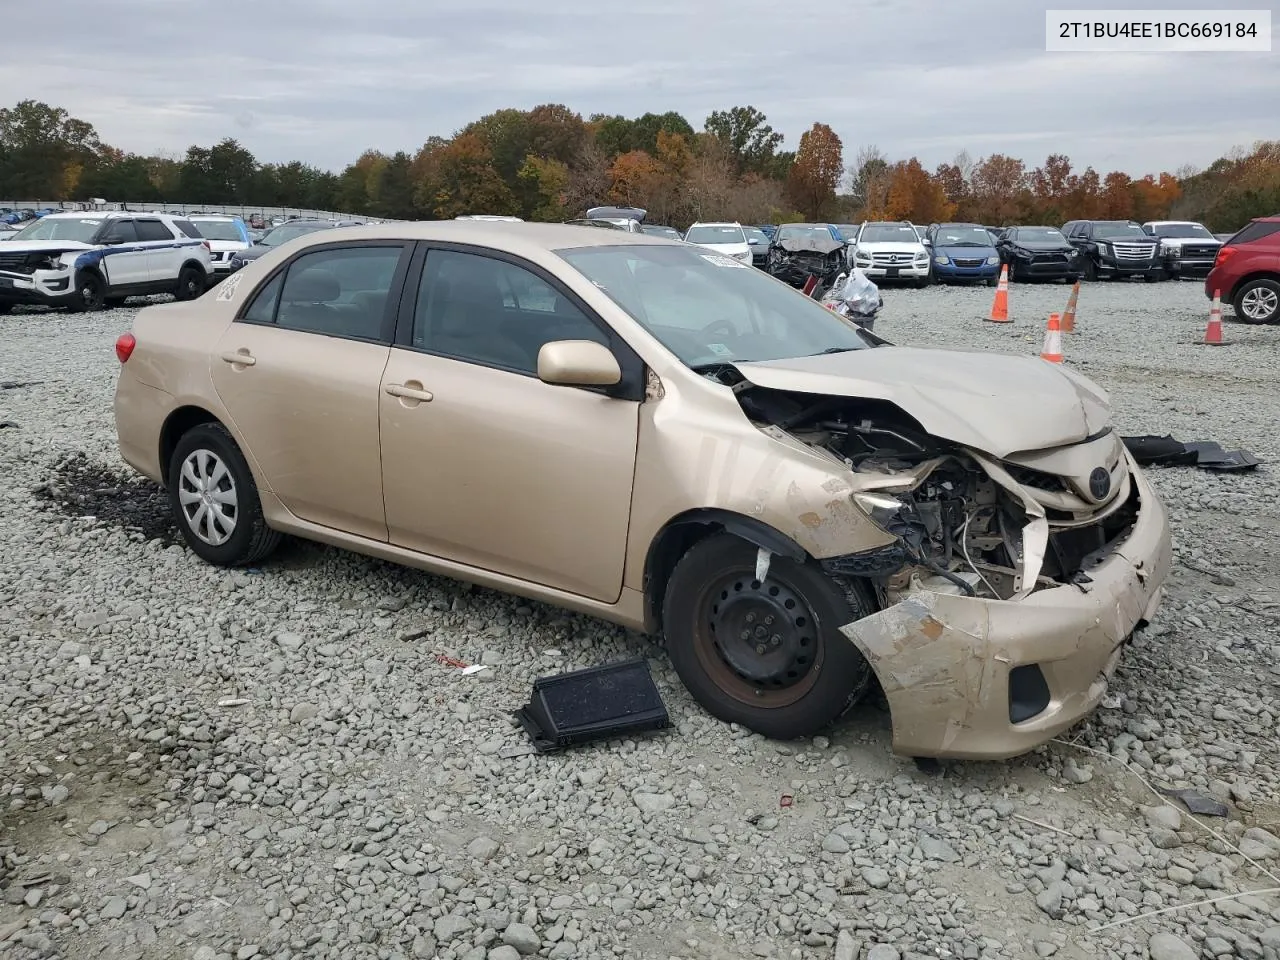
(880,508)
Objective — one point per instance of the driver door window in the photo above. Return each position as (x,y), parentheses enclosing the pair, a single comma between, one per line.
(492,312)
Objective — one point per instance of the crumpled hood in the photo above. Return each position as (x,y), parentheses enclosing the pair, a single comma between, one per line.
(45,246)
(996,403)
(809,244)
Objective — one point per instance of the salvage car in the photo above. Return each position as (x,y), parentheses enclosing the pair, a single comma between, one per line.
(631,428)
(726,239)
(1114,250)
(1038,253)
(661,230)
(275,237)
(759,243)
(803,250)
(892,251)
(963,253)
(1247,272)
(227,236)
(1188,248)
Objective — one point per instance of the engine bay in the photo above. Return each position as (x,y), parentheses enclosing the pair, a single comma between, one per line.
(961,520)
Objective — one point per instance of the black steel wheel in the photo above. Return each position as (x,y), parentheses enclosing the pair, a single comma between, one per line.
(91,293)
(765,654)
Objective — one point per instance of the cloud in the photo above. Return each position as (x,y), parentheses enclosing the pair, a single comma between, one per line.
(322,80)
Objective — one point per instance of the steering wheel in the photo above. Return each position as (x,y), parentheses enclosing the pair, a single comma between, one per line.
(726,325)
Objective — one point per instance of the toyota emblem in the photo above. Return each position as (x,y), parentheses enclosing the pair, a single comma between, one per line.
(1099,483)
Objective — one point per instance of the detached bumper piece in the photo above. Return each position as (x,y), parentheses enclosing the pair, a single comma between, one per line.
(611,700)
(1206,454)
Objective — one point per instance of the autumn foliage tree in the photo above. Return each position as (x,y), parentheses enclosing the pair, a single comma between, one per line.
(549,163)
(816,173)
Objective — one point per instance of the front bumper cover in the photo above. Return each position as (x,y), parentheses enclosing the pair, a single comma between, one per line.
(50,288)
(944,661)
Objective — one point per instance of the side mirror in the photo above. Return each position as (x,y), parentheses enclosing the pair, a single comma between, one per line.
(112,241)
(578,363)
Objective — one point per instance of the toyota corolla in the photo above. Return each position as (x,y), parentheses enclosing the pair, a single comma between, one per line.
(664,437)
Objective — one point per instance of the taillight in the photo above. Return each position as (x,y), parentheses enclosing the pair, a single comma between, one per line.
(124,346)
(1223,253)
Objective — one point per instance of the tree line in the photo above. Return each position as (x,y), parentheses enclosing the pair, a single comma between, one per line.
(551,163)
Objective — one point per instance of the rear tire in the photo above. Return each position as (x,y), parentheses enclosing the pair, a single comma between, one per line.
(1257,301)
(191,283)
(796,673)
(215,501)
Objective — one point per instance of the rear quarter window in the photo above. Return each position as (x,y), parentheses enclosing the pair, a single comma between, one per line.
(188,229)
(1259,230)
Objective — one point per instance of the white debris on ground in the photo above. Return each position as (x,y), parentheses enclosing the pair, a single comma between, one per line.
(284,763)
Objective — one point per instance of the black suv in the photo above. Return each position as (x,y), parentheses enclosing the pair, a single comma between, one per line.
(1115,248)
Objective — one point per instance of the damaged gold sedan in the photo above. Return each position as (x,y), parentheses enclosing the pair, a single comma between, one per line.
(666,438)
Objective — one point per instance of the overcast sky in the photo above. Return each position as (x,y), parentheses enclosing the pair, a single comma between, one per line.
(321,80)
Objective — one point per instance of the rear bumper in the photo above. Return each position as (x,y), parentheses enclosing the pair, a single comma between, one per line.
(945,661)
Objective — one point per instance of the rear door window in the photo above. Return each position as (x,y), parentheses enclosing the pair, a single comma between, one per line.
(1259,230)
(341,292)
(153,230)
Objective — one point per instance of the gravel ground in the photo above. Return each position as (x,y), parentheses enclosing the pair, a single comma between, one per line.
(283,763)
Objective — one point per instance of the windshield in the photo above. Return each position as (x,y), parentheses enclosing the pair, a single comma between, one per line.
(1117,228)
(219,229)
(1041,235)
(962,235)
(725,234)
(707,308)
(290,231)
(1187,230)
(754,234)
(888,233)
(60,228)
(847,230)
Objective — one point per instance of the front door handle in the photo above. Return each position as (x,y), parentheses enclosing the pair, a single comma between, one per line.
(410,390)
(241,358)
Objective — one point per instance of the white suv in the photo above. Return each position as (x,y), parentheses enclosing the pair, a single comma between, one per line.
(227,236)
(91,260)
(728,239)
(891,251)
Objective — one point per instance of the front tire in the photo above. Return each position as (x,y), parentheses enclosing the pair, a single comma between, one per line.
(91,293)
(1089,271)
(1258,301)
(215,501)
(794,673)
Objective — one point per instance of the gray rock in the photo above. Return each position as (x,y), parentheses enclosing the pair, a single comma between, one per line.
(882,951)
(847,948)
(875,877)
(834,843)
(1163,817)
(303,711)
(651,803)
(1050,899)
(936,849)
(504,952)
(451,926)
(289,641)
(522,937)
(1165,946)
(483,848)
(114,908)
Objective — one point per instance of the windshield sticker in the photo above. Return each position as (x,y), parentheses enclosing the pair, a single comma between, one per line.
(720,261)
(92,223)
(228,288)
(719,349)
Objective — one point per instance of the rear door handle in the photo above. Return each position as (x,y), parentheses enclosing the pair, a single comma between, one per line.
(241,358)
(409,391)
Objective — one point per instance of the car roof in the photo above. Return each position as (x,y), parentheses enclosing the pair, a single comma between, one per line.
(213,216)
(518,238)
(716,223)
(102,214)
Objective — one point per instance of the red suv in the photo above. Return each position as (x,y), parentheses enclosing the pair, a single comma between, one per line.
(1247,272)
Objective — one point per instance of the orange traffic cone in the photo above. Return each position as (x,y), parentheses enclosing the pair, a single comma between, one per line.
(1069,317)
(1052,350)
(1213,332)
(1000,305)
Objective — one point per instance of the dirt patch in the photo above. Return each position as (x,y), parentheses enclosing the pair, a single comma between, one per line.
(81,487)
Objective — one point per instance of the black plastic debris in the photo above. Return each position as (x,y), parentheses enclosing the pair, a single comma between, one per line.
(613,699)
(1199,803)
(1206,454)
